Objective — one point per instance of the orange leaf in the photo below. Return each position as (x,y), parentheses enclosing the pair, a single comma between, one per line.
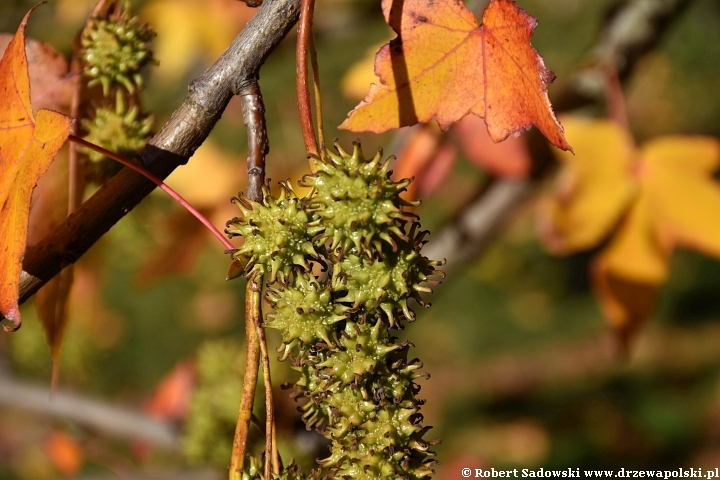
(52,88)
(443,65)
(27,146)
(439,169)
(64,453)
(171,398)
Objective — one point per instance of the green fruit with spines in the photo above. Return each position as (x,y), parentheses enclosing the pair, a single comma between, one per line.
(276,232)
(358,388)
(303,312)
(114,49)
(361,351)
(357,202)
(123,130)
(386,282)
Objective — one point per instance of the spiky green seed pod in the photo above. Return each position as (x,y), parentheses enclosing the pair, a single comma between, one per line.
(356,201)
(355,384)
(387,282)
(276,232)
(115,49)
(121,130)
(303,312)
(362,350)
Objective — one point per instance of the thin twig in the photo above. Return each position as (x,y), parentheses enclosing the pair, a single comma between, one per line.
(186,130)
(302,84)
(157,181)
(252,360)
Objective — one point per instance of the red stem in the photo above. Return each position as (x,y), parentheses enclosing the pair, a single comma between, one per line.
(157,181)
(301,70)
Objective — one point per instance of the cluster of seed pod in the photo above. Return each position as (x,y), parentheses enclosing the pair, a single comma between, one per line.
(115,45)
(341,264)
(114,49)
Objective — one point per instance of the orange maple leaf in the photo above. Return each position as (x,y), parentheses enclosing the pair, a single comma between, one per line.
(648,200)
(27,147)
(443,65)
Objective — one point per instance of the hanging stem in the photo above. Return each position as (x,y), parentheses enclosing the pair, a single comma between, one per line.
(271,453)
(301,70)
(316,89)
(157,181)
(252,360)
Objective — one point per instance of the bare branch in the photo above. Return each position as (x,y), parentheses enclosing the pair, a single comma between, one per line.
(186,130)
(631,33)
(95,414)
(672,350)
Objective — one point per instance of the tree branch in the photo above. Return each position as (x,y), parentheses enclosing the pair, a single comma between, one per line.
(95,414)
(632,32)
(186,130)
(669,349)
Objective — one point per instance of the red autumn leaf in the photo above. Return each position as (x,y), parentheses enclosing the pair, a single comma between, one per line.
(509,159)
(417,154)
(429,155)
(27,147)
(443,65)
(171,399)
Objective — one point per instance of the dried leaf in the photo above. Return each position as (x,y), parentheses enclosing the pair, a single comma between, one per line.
(443,65)
(27,147)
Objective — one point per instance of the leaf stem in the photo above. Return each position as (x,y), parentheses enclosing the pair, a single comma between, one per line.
(302,84)
(253,316)
(316,86)
(271,453)
(157,181)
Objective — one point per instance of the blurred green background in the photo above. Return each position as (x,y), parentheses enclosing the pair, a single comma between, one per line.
(522,367)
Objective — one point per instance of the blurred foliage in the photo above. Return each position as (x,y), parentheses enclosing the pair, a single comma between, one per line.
(214,406)
(513,304)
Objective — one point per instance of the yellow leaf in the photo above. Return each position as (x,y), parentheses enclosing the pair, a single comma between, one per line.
(360,75)
(677,175)
(648,201)
(594,188)
(192,29)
